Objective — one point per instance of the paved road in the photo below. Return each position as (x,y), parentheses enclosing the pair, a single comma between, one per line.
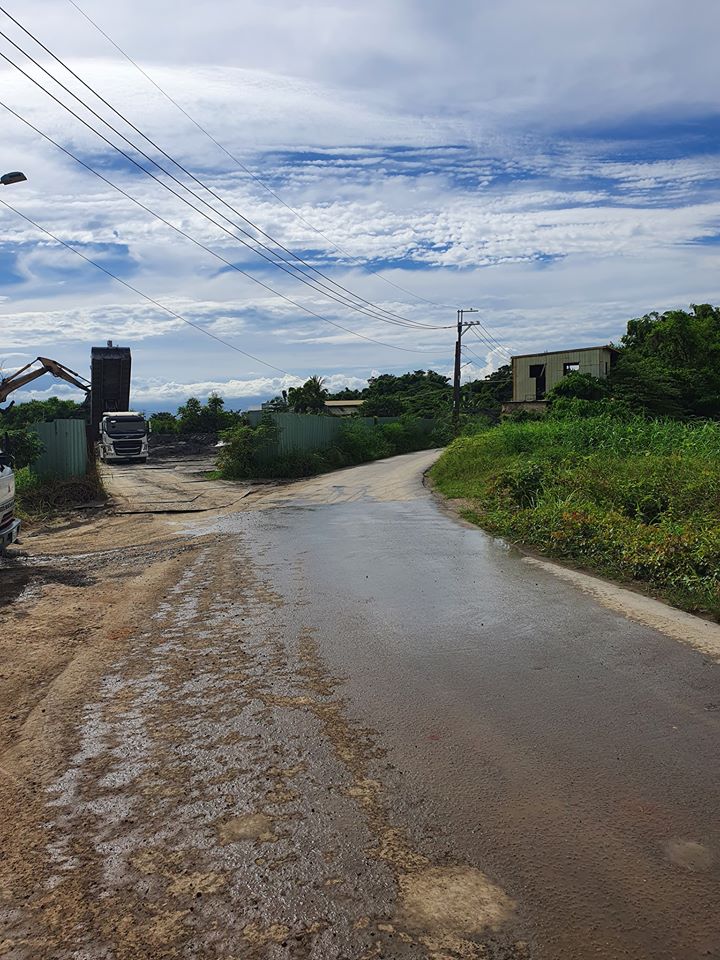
(355,727)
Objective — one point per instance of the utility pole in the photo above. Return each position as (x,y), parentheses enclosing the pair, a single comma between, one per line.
(462,324)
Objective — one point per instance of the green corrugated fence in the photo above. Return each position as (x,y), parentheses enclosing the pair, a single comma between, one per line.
(65,453)
(305,432)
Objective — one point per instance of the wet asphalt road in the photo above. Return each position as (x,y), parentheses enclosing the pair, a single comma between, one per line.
(355,727)
(565,750)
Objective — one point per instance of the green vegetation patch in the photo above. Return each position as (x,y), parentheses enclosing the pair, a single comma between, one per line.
(632,498)
(243,456)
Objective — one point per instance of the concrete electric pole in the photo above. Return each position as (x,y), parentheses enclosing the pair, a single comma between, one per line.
(461,325)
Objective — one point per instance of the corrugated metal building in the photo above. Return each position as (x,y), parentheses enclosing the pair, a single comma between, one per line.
(534,374)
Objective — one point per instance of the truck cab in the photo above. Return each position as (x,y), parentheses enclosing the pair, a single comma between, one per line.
(123,437)
(9,525)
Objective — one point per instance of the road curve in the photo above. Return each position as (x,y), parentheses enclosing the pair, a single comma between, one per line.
(355,727)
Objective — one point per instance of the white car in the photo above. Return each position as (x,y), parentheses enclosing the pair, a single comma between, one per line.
(9,525)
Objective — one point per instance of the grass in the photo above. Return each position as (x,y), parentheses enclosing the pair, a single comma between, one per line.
(634,499)
(38,499)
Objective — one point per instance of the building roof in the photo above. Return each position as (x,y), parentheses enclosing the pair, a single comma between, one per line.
(343,403)
(547,353)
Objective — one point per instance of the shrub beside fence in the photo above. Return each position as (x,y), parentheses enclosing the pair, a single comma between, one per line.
(308,433)
(299,445)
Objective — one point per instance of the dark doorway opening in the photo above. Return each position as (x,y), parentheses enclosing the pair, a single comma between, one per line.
(537,371)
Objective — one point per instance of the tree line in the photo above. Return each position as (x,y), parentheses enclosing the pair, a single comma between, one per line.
(668,365)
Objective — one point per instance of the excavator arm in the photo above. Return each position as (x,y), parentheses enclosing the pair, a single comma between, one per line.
(30,372)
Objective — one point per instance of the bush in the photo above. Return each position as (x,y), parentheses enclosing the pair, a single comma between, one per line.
(579,386)
(237,458)
(405,436)
(359,443)
(24,446)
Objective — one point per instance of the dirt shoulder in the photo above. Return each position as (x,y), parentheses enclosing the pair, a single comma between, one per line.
(74,590)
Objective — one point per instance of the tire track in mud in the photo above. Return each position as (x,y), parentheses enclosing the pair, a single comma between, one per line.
(220,803)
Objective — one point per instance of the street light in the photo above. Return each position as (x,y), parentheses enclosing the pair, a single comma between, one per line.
(14,177)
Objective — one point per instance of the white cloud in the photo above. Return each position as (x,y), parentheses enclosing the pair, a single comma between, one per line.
(494,199)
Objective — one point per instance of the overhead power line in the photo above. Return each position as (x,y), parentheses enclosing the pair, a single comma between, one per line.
(489,339)
(145,296)
(184,200)
(246,169)
(340,294)
(486,343)
(467,349)
(199,243)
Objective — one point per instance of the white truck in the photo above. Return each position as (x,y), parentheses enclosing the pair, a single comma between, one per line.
(123,436)
(9,525)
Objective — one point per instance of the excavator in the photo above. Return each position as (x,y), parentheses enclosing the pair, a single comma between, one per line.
(30,372)
(9,524)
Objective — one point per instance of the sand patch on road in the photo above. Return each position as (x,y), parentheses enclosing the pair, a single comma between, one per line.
(453,901)
(251,826)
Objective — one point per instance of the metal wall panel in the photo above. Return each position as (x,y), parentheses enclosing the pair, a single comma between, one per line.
(65,453)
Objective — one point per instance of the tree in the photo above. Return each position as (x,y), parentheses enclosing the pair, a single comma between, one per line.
(422,393)
(36,411)
(669,363)
(190,415)
(24,446)
(310,397)
(214,417)
(278,403)
(390,406)
(210,417)
(488,394)
(347,394)
(164,422)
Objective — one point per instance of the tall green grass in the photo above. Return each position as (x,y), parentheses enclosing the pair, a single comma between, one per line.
(632,498)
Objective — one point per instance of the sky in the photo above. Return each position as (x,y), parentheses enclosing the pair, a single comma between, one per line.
(555,166)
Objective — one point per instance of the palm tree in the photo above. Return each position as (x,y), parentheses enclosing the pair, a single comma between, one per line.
(310,397)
